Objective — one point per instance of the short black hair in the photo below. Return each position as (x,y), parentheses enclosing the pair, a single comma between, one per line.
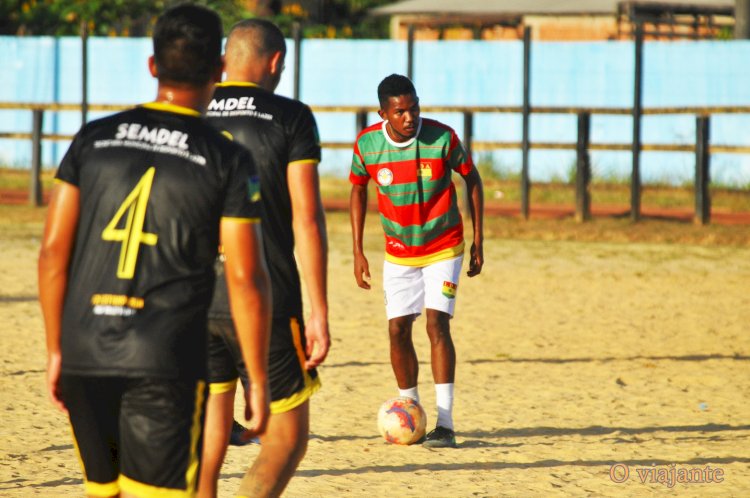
(394,85)
(267,37)
(187,44)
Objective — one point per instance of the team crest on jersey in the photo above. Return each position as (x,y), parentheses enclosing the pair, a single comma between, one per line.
(253,188)
(425,170)
(385,176)
(449,289)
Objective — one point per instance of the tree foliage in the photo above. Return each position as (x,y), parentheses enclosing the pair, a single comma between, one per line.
(317,18)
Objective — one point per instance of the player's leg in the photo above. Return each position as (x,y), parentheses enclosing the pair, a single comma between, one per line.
(282,448)
(222,378)
(403,355)
(441,284)
(442,351)
(93,405)
(219,417)
(161,429)
(404,299)
(284,443)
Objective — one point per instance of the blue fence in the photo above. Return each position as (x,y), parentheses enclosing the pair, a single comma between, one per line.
(450,73)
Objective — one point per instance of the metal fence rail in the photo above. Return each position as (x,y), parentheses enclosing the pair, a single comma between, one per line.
(701,148)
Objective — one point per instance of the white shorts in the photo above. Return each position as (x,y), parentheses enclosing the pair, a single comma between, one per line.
(410,289)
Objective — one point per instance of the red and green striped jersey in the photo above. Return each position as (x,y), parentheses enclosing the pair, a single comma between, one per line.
(416,197)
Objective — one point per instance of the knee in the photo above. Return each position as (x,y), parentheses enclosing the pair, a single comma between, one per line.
(438,328)
(398,330)
(291,447)
(292,452)
(299,451)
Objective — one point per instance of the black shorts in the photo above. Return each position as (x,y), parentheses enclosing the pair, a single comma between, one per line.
(141,436)
(291,384)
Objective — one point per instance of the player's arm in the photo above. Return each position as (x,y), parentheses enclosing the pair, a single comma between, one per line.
(309,225)
(54,259)
(475,194)
(358,210)
(250,302)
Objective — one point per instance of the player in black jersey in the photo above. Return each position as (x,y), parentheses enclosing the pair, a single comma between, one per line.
(126,273)
(282,137)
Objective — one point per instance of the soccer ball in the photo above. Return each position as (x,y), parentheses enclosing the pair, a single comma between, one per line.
(401,420)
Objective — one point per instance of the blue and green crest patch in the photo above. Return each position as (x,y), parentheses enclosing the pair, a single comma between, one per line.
(253,188)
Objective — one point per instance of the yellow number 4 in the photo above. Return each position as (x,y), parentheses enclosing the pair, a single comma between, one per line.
(132,235)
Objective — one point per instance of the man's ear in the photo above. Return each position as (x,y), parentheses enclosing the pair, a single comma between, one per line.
(277,63)
(152,67)
(382,115)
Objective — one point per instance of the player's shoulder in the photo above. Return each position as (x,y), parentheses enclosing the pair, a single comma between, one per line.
(436,126)
(435,132)
(374,131)
(238,99)
(110,120)
(200,132)
(293,110)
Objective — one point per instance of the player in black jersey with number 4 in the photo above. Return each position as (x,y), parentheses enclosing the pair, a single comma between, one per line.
(282,137)
(126,276)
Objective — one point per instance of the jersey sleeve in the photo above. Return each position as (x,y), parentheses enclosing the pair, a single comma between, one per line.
(242,200)
(358,174)
(459,159)
(304,139)
(69,170)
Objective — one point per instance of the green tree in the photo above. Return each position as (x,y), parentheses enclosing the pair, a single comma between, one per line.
(103,17)
(318,18)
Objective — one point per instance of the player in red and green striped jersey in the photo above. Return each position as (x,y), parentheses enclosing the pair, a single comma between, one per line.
(411,160)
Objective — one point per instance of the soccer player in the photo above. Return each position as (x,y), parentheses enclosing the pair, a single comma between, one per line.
(126,273)
(282,137)
(412,159)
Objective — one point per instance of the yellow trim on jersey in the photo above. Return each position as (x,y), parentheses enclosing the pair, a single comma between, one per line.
(303,161)
(240,220)
(165,106)
(311,385)
(449,253)
(222,387)
(237,83)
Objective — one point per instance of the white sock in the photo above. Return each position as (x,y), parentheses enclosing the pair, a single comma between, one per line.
(444,396)
(412,393)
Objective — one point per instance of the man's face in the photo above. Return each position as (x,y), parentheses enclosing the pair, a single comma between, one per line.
(402,114)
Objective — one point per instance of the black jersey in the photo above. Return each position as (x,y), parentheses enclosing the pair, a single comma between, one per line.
(279,132)
(154,183)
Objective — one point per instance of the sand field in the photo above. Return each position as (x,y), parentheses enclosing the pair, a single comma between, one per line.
(580,364)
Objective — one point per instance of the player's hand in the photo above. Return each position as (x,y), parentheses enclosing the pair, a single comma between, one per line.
(318,340)
(54,362)
(362,271)
(476,260)
(257,408)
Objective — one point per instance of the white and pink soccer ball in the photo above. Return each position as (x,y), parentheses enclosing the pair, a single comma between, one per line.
(401,420)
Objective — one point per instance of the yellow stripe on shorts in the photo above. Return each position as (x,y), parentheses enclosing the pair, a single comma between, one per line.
(93,488)
(311,385)
(222,387)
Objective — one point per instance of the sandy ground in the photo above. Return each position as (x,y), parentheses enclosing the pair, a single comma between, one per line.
(573,357)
